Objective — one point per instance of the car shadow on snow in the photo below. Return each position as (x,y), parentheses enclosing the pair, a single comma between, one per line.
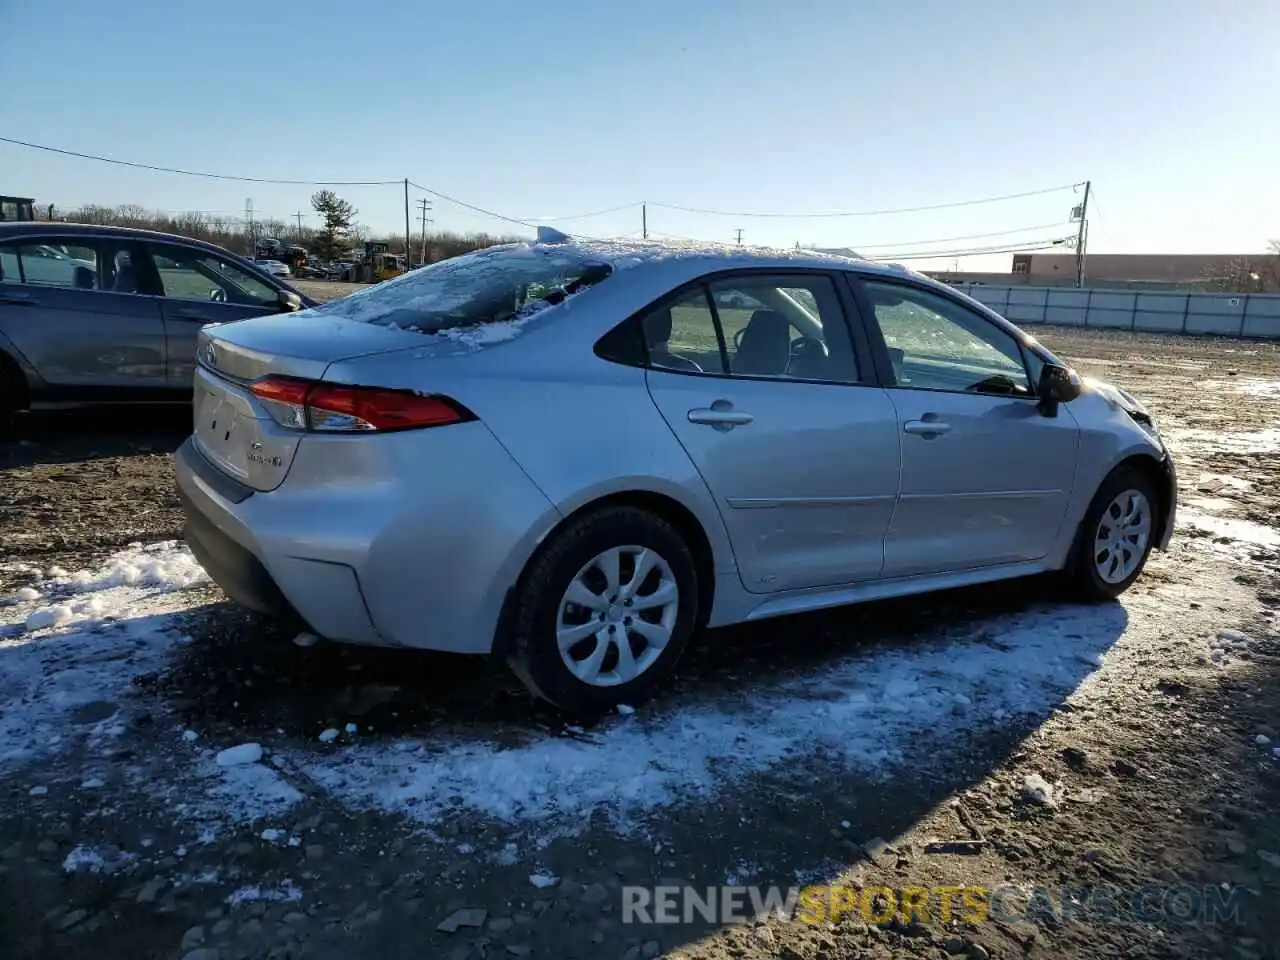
(782,748)
(244,671)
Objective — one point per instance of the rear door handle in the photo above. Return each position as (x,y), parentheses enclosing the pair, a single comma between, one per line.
(926,428)
(19,299)
(719,418)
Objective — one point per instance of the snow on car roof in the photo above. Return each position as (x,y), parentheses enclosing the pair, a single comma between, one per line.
(623,254)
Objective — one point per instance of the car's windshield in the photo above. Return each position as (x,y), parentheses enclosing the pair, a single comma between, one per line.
(488,286)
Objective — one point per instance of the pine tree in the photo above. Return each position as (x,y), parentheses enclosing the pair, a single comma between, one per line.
(337,215)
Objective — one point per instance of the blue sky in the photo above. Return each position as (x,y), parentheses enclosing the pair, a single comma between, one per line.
(562,107)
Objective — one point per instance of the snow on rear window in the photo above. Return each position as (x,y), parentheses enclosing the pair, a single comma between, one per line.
(464,294)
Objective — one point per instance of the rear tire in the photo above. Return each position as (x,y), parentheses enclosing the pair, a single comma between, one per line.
(10,402)
(621,634)
(1115,537)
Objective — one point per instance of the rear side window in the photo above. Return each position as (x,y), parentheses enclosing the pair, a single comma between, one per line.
(53,264)
(771,326)
(72,264)
(9,272)
(489,286)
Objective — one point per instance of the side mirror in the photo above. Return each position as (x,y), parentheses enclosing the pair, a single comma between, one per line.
(289,301)
(1057,385)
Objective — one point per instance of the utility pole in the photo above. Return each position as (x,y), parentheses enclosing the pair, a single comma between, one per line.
(739,236)
(644,221)
(298,217)
(407,246)
(248,227)
(1083,211)
(424,205)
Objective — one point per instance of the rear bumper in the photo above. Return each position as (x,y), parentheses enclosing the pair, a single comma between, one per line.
(237,571)
(409,539)
(325,596)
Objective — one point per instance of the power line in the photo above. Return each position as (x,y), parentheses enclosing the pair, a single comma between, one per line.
(865,213)
(527,222)
(584,216)
(198,173)
(1028,247)
(969,236)
(469,206)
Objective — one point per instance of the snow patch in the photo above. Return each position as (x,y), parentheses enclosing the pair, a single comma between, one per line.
(237,755)
(1036,789)
(543,880)
(868,712)
(1227,528)
(284,892)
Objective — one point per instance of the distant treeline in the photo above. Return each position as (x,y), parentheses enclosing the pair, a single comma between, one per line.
(233,232)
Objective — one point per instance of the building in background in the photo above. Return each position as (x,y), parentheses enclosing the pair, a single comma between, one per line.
(1245,273)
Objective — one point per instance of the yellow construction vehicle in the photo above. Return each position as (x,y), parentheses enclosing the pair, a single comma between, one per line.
(378,264)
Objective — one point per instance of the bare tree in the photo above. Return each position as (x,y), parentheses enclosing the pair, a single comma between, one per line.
(229,232)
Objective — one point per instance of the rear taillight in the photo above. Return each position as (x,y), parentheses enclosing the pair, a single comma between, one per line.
(342,408)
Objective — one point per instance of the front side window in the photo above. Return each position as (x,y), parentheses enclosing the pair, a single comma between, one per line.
(937,344)
(494,285)
(191,274)
(758,326)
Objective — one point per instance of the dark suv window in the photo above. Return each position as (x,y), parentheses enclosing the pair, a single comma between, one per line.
(194,274)
(70,264)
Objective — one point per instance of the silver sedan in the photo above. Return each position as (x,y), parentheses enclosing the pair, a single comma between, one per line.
(573,454)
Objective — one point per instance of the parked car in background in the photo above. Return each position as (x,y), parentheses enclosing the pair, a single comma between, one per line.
(572,454)
(93,313)
(275,267)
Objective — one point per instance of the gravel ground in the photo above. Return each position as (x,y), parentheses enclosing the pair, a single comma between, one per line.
(1108,749)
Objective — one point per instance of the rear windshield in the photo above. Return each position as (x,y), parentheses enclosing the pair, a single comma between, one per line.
(489,286)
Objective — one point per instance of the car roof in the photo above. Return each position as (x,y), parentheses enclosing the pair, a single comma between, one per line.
(18,229)
(629,254)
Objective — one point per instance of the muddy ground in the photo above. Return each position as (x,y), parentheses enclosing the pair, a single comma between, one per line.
(118,840)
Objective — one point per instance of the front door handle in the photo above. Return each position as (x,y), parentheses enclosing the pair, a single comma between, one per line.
(926,428)
(721,417)
(19,299)
(191,315)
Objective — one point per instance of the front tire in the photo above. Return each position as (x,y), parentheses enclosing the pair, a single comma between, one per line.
(605,610)
(1115,536)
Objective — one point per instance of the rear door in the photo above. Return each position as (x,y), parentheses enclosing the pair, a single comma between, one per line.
(75,308)
(986,478)
(756,375)
(199,288)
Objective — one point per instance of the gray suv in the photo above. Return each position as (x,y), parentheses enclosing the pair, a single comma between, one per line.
(92,314)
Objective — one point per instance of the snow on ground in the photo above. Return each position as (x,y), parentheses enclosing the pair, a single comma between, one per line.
(866,711)
(1188,440)
(1249,386)
(66,684)
(160,567)
(1235,531)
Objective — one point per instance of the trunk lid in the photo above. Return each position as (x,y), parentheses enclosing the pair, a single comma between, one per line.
(231,428)
(293,344)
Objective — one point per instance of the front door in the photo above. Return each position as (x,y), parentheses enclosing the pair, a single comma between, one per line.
(73,308)
(201,288)
(986,478)
(756,376)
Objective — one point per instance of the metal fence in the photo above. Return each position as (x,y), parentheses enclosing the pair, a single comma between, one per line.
(1217,314)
